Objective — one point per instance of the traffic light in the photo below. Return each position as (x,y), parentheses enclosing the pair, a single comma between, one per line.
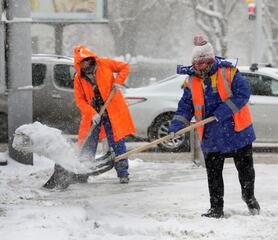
(251,9)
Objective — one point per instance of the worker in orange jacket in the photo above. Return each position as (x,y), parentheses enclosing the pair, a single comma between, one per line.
(93,83)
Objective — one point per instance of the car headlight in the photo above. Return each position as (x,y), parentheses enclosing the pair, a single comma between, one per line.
(135,100)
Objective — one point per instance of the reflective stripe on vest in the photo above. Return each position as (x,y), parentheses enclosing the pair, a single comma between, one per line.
(181,119)
(242,117)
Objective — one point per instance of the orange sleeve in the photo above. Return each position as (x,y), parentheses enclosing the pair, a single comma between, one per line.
(80,99)
(121,68)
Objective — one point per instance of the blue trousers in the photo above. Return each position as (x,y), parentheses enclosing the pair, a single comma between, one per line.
(118,147)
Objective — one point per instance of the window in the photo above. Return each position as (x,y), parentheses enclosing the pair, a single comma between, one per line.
(271,85)
(38,74)
(64,75)
(274,87)
(262,85)
(68,9)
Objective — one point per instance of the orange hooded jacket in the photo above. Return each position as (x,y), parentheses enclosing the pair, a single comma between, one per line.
(120,118)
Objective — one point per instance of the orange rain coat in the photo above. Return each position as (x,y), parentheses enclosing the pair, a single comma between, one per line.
(120,118)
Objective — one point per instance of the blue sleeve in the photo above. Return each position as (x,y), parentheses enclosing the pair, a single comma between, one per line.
(241,94)
(184,112)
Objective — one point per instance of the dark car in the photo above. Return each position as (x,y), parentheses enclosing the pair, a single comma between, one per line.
(53,99)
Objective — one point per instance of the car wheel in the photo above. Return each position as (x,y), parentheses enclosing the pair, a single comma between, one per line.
(3,127)
(160,129)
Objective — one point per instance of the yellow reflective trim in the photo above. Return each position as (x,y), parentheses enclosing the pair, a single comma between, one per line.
(233,72)
(213,81)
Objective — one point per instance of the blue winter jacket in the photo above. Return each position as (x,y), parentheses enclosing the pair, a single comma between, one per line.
(218,136)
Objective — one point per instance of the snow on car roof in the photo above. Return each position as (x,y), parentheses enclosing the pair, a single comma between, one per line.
(53,57)
(261,70)
(176,76)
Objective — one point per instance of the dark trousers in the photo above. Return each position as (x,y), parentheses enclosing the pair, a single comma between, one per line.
(243,159)
(118,147)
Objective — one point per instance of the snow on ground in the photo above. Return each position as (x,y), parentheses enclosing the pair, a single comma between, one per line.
(162,201)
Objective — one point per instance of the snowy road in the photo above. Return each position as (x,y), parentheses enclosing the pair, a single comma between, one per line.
(162,201)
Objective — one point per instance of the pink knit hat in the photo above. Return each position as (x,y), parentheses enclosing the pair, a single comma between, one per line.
(203,51)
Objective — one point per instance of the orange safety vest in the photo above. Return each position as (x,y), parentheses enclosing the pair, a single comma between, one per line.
(222,79)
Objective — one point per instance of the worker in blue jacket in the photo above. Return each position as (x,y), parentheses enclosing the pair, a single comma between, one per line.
(216,88)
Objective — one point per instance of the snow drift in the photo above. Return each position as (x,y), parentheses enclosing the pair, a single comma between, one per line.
(49,142)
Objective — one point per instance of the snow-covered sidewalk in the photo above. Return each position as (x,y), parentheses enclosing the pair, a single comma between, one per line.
(162,201)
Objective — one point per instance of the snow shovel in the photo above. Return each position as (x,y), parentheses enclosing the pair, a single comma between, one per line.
(62,177)
(67,178)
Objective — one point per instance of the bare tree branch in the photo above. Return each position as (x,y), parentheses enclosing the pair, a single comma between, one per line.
(209,12)
(232,6)
(212,16)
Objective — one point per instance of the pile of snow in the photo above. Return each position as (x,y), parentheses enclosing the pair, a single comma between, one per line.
(50,143)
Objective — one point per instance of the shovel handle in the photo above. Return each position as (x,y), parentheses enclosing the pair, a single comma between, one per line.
(103,108)
(165,138)
(101,112)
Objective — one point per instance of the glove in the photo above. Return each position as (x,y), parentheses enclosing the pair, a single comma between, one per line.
(96,119)
(118,86)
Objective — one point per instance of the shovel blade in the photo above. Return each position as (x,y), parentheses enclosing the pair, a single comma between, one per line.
(62,178)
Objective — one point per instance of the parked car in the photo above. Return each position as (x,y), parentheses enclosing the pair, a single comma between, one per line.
(263,82)
(53,100)
(152,107)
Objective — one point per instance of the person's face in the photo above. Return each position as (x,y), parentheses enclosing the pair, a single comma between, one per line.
(203,67)
(88,65)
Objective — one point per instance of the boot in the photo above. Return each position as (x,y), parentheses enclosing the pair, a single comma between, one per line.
(122,172)
(214,213)
(124,179)
(253,206)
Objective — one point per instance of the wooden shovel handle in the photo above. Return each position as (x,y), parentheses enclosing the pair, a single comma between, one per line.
(160,140)
(103,108)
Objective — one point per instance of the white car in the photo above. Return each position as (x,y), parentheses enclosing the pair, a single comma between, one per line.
(152,107)
(263,82)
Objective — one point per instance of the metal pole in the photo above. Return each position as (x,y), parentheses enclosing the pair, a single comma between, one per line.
(19,68)
(258,32)
(2,51)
